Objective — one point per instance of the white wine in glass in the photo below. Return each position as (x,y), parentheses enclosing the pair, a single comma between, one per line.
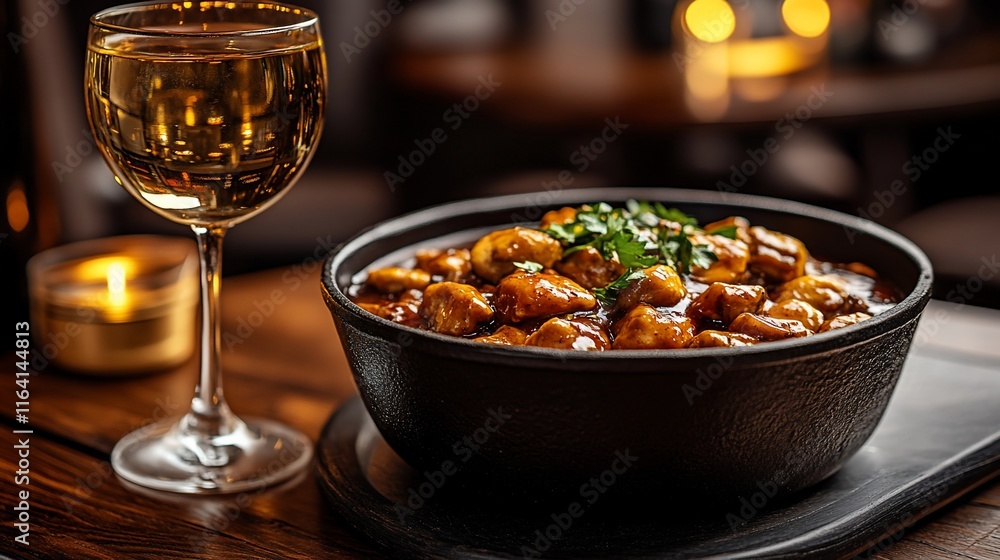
(207,113)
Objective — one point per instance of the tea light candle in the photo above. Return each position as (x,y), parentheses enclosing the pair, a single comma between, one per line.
(115,306)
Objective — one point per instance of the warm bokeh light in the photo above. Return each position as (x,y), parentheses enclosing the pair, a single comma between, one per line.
(711,21)
(706,77)
(772,56)
(761,89)
(17,208)
(808,18)
(707,83)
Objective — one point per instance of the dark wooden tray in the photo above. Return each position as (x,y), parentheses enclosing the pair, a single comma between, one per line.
(939,439)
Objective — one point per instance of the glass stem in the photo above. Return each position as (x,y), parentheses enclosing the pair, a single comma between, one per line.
(209,416)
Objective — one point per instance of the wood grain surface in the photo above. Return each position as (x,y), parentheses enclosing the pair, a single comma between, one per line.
(290,366)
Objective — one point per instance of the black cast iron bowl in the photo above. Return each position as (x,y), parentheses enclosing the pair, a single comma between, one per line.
(721,421)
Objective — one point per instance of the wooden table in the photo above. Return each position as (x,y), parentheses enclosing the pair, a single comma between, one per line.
(290,367)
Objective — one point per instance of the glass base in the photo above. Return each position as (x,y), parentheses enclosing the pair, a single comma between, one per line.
(251,455)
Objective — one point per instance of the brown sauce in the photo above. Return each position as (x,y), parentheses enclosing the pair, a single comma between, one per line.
(763,286)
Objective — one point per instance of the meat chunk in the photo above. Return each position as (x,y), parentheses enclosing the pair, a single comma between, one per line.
(659,286)
(394,279)
(411,295)
(589,269)
(842,321)
(494,255)
(523,296)
(809,316)
(425,256)
(370,307)
(571,334)
(776,256)
(453,308)
(454,265)
(733,257)
(724,302)
(862,269)
(720,339)
(561,216)
(767,328)
(828,293)
(644,327)
(741,224)
(506,335)
(402,312)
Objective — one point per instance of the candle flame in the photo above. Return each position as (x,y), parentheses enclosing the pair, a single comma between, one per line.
(116,283)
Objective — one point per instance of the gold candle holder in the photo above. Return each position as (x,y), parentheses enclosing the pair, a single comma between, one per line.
(115,306)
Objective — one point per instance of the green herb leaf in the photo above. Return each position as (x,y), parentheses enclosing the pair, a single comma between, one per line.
(635,236)
(702,257)
(643,211)
(609,293)
(563,232)
(593,223)
(530,266)
(676,250)
(632,253)
(674,215)
(725,231)
(585,228)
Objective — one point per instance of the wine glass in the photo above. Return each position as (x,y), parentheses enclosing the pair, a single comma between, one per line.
(207,112)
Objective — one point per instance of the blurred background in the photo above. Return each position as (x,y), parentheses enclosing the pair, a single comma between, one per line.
(887,109)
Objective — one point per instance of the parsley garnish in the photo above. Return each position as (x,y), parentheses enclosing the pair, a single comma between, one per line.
(642,210)
(609,293)
(611,231)
(530,266)
(638,236)
(677,251)
(725,231)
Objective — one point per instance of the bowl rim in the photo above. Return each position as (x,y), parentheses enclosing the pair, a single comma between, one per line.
(906,311)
